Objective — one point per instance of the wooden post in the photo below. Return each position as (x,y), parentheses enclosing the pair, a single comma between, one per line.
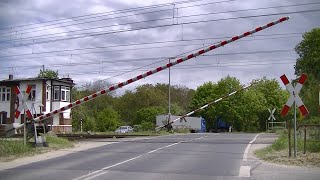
(289,137)
(305,140)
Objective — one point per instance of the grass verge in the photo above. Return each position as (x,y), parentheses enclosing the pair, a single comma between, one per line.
(278,152)
(11,148)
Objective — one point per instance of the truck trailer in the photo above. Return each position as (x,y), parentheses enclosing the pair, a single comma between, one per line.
(193,124)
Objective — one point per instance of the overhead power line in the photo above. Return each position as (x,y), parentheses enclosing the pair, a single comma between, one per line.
(160,19)
(76,51)
(115,61)
(82,35)
(95,15)
(189,67)
(167,25)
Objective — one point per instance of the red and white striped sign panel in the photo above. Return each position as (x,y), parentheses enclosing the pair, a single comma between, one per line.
(23,99)
(294,95)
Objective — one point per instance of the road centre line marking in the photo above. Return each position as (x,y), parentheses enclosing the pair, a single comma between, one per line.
(102,171)
(96,175)
(163,147)
(199,138)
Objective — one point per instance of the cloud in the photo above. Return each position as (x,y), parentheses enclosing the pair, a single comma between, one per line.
(103,63)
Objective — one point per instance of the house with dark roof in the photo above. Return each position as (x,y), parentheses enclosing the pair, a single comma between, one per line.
(47,94)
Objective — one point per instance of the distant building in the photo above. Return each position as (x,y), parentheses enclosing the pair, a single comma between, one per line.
(47,94)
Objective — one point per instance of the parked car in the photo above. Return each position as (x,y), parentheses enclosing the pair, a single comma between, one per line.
(124,129)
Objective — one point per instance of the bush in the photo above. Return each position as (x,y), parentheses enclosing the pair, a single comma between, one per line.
(108,120)
(147,126)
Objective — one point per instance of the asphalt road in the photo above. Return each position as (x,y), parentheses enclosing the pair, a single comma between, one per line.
(191,156)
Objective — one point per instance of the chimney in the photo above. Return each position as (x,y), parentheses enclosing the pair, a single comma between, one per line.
(10,77)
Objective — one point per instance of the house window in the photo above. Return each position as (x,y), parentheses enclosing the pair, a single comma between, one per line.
(32,95)
(65,93)
(5,94)
(47,93)
(56,94)
(8,94)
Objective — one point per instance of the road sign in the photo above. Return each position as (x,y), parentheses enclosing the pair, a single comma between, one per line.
(271,117)
(23,99)
(294,95)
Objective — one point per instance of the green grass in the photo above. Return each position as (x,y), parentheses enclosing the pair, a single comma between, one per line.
(57,142)
(14,148)
(278,152)
(10,148)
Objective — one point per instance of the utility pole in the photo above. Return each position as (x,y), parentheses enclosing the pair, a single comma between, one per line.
(169,96)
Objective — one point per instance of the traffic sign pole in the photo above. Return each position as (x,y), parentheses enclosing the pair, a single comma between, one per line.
(295,131)
(24,129)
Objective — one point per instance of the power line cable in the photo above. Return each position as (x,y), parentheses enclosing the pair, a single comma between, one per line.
(119,12)
(160,19)
(146,59)
(82,35)
(156,42)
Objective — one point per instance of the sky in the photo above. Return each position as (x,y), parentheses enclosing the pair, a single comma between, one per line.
(113,41)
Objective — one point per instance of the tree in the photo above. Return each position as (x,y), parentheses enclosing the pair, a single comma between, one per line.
(309,54)
(309,62)
(273,96)
(148,114)
(225,109)
(47,73)
(107,120)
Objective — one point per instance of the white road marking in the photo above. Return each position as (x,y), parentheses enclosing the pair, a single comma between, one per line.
(245,154)
(199,138)
(102,171)
(244,171)
(163,147)
(96,175)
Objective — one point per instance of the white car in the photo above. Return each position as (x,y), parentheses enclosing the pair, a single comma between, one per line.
(124,129)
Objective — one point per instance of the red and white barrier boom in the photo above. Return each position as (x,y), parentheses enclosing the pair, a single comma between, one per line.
(294,95)
(180,60)
(207,105)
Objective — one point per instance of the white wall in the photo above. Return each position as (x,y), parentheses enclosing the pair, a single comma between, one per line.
(66,114)
(5,106)
(48,104)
